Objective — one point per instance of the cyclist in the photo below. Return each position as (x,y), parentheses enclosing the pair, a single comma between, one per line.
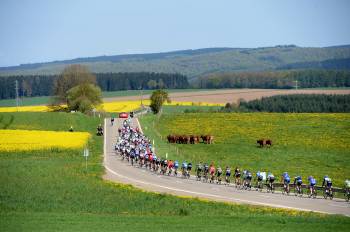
(327,183)
(154,162)
(347,189)
(112,121)
(237,177)
(228,175)
(218,174)
(312,183)
(259,181)
(158,162)
(199,170)
(298,181)
(269,180)
(212,173)
(247,179)
(170,167)
(164,167)
(206,171)
(176,166)
(286,182)
(184,168)
(189,168)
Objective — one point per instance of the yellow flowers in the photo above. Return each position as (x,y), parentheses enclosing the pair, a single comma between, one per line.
(327,131)
(123,106)
(27,140)
(117,106)
(25,109)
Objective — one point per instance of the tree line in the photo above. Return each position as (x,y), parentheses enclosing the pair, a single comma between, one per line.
(277,79)
(294,103)
(43,85)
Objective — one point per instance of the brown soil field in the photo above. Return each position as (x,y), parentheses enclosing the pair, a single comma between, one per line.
(231,95)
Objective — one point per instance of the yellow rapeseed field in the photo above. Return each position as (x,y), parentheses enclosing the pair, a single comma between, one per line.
(117,106)
(26,140)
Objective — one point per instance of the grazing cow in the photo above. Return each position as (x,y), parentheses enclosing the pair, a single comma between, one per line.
(264,142)
(261,142)
(268,142)
(171,138)
(196,139)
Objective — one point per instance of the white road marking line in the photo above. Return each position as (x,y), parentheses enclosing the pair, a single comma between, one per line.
(341,206)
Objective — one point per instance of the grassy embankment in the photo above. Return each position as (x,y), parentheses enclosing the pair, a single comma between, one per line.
(50,191)
(304,144)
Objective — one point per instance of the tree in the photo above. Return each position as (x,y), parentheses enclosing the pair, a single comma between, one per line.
(71,76)
(152,84)
(84,97)
(158,97)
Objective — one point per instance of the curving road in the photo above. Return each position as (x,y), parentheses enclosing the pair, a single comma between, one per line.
(121,171)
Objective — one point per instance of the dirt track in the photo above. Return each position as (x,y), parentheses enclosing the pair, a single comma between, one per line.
(230,95)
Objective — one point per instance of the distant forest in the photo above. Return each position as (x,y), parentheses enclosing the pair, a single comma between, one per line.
(297,103)
(41,85)
(277,79)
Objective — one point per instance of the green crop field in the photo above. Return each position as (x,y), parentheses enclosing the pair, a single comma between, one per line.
(303,144)
(50,191)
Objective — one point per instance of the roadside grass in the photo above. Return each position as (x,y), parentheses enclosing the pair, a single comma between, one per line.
(51,191)
(304,144)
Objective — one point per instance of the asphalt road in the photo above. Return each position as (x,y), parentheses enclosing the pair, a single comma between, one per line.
(121,171)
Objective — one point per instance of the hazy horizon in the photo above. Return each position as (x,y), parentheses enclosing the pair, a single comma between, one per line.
(42,31)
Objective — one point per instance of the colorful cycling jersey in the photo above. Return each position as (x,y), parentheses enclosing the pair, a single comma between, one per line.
(298,180)
(176,164)
(165,162)
(286,179)
(219,171)
(327,181)
(189,166)
(184,165)
(212,170)
(228,172)
(312,181)
(199,167)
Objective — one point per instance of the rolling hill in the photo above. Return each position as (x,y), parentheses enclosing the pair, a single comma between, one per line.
(196,63)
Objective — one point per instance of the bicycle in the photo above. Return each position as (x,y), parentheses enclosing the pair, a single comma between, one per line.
(347,194)
(312,192)
(259,185)
(298,190)
(271,187)
(328,192)
(286,189)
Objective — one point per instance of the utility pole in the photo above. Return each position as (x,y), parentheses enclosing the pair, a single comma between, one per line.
(296,85)
(17,97)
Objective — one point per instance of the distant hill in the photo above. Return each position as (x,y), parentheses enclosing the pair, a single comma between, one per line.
(200,62)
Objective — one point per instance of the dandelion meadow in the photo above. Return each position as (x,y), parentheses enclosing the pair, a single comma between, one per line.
(303,144)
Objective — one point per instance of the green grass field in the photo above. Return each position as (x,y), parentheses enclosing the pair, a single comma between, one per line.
(50,191)
(304,144)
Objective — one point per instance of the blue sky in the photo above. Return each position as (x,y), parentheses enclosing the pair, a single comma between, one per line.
(40,31)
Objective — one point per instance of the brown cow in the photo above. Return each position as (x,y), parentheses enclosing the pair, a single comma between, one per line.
(268,142)
(264,142)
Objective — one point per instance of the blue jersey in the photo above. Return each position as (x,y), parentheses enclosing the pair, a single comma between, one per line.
(312,181)
(184,165)
(176,164)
